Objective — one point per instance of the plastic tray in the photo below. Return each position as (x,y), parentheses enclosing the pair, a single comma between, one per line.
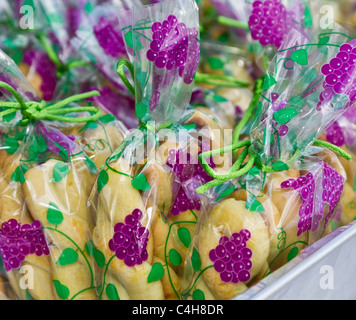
(325,270)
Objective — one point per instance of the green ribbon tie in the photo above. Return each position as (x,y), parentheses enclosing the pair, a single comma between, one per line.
(34,110)
(229,22)
(240,167)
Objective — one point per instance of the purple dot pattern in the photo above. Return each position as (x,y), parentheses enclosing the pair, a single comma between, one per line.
(189,176)
(341,132)
(18,241)
(283,130)
(73,16)
(232,258)
(279,105)
(335,135)
(311,211)
(270,21)
(174,46)
(109,39)
(350,114)
(130,240)
(340,75)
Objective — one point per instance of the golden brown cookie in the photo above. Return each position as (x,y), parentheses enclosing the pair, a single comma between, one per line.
(117,200)
(169,281)
(2,289)
(227,219)
(61,207)
(161,180)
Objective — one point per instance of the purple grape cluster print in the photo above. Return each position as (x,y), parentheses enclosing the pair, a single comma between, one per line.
(130,240)
(340,75)
(341,132)
(174,46)
(189,176)
(232,258)
(335,135)
(333,187)
(18,241)
(73,17)
(311,211)
(109,39)
(270,21)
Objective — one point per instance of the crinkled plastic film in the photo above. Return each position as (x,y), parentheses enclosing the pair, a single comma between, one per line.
(306,94)
(342,133)
(253,225)
(91,210)
(99,41)
(46,178)
(156,86)
(144,203)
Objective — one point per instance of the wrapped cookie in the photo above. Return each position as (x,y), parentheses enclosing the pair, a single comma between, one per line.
(342,134)
(39,42)
(16,40)
(344,12)
(226,101)
(224,54)
(45,179)
(50,64)
(285,186)
(144,204)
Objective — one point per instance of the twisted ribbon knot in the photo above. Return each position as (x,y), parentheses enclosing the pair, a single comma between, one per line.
(240,167)
(34,110)
(41,110)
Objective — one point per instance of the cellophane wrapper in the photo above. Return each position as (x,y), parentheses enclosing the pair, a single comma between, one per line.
(45,181)
(254,224)
(144,205)
(342,134)
(219,33)
(224,61)
(41,28)
(98,40)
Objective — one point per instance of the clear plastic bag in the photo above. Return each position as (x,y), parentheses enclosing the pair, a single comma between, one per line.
(46,179)
(43,51)
(57,68)
(144,205)
(341,133)
(99,41)
(284,197)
